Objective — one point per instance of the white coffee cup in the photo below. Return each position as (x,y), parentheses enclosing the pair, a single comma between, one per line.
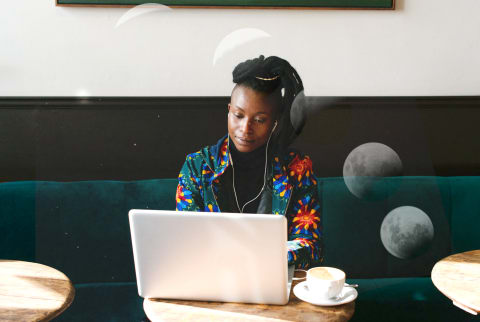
(325,282)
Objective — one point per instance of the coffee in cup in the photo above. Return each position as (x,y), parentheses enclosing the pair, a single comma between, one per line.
(325,282)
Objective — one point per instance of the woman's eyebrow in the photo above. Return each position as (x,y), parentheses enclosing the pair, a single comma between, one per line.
(255,113)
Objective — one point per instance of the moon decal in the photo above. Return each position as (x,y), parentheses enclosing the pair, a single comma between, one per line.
(141,10)
(304,106)
(237,38)
(367,164)
(406,232)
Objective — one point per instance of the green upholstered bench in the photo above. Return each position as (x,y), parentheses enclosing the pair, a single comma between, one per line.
(392,288)
(81,228)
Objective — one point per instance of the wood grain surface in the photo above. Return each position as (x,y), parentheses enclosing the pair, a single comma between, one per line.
(458,277)
(295,310)
(32,292)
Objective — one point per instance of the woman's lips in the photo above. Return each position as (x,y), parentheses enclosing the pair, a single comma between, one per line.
(244,141)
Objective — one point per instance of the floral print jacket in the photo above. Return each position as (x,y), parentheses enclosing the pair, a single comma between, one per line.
(294,196)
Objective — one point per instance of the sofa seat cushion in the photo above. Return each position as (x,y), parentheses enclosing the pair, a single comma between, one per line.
(106,302)
(404,299)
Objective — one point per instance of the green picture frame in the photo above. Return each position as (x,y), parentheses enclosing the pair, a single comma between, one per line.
(243,4)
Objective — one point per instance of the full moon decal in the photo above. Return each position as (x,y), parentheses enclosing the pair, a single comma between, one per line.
(367,164)
(406,232)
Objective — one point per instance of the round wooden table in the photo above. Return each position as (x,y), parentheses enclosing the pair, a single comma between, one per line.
(458,277)
(32,292)
(295,310)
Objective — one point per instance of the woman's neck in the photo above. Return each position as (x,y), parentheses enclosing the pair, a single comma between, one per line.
(248,160)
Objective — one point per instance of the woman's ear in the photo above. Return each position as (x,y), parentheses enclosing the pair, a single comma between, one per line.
(229,107)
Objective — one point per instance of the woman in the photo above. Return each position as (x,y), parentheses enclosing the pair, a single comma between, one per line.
(251,169)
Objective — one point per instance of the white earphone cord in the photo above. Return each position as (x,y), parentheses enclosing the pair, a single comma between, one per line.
(264,174)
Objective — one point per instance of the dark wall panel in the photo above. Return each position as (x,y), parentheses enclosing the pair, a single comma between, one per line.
(131,138)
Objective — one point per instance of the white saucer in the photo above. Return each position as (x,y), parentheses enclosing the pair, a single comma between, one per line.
(347,295)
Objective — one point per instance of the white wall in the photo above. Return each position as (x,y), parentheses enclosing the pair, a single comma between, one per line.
(425,47)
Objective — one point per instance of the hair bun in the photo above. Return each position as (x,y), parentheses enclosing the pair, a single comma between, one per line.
(262,74)
(249,69)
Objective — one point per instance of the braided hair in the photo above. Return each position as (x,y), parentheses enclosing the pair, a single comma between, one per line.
(273,75)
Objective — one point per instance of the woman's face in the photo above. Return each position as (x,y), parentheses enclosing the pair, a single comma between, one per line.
(251,117)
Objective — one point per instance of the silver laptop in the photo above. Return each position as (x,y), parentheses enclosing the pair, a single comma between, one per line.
(221,257)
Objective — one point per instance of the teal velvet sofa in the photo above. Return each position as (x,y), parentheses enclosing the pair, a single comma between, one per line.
(81,228)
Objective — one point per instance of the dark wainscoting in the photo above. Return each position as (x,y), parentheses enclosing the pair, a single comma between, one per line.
(127,138)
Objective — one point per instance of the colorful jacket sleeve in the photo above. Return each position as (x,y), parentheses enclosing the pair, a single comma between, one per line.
(304,218)
(189,189)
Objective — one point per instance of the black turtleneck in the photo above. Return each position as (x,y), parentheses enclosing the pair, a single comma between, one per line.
(249,169)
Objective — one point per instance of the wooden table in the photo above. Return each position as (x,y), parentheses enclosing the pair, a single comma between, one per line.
(458,277)
(32,292)
(295,310)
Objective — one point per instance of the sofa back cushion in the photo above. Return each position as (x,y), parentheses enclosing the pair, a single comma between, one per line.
(352,225)
(465,220)
(82,227)
(17,220)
